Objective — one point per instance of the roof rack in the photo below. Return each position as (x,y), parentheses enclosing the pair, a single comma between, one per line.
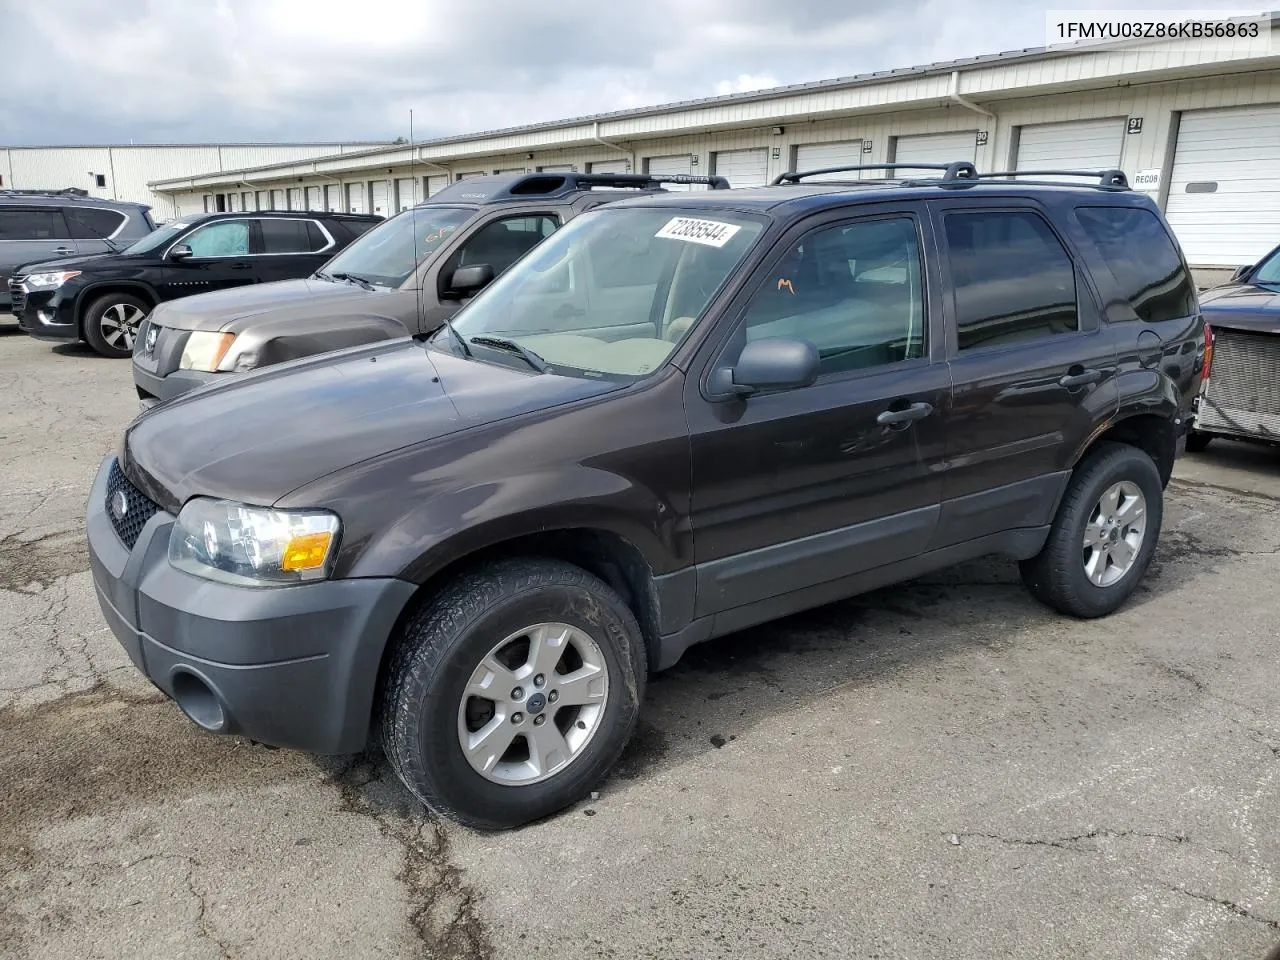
(499,187)
(646,179)
(1110,179)
(64,192)
(959,170)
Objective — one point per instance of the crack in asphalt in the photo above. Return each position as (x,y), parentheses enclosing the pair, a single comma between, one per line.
(443,908)
(1230,905)
(43,559)
(1069,843)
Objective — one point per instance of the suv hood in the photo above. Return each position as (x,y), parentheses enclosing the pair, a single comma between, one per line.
(219,309)
(1242,306)
(262,435)
(65,263)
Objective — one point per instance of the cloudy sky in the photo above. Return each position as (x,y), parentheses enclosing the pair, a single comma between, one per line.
(85,71)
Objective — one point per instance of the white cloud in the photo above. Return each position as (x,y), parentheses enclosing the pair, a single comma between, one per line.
(744,83)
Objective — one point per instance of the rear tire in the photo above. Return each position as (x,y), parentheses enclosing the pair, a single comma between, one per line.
(494,665)
(1096,554)
(111,323)
(1197,441)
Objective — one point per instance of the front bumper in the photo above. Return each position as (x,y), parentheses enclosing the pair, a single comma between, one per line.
(292,666)
(49,314)
(154,388)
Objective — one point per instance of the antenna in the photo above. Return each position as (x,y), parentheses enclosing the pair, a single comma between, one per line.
(413,217)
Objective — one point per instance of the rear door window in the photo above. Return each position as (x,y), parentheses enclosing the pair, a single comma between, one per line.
(92,223)
(1140,255)
(1012,279)
(32,224)
(290,236)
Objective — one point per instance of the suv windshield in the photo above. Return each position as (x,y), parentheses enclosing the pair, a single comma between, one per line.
(611,294)
(157,238)
(391,251)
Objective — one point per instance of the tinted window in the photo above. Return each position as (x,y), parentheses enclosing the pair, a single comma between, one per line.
(316,239)
(227,238)
(289,236)
(854,291)
(1142,258)
(1269,270)
(32,225)
(90,223)
(389,254)
(1012,279)
(503,242)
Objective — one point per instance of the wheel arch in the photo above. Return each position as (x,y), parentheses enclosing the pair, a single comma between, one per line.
(86,297)
(1155,434)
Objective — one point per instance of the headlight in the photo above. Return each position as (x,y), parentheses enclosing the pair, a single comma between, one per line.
(252,546)
(49,281)
(204,351)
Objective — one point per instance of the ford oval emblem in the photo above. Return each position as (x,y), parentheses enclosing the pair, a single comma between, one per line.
(118,505)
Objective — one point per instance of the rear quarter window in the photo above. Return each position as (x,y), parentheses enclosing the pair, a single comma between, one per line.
(92,223)
(1137,250)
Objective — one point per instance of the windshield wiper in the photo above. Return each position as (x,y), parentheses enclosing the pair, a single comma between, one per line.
(462,341)
(525,354)
(352,278)
(321,275)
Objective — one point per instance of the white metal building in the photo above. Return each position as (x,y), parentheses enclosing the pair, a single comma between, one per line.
(123,172)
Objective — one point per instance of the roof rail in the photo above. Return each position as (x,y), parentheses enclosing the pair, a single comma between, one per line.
(959,170)
(64,192)
(646,179)
(1109,179)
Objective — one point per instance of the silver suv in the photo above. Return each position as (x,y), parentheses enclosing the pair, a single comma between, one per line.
(38,225)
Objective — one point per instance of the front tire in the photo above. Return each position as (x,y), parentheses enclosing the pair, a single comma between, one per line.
(511,693)
(111,324)
(1103,536)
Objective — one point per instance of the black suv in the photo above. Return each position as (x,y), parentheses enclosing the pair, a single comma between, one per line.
(103,299)
(405,277)
(46,224)
(676,417)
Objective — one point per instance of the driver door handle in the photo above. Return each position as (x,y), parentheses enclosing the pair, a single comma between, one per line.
(1079,377)
(917,411)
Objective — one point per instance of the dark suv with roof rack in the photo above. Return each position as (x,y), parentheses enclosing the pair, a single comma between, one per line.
(103,299)
(38,225)
(406,277)
(676,417)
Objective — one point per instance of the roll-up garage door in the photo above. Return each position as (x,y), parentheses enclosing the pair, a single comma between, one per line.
(468,176)
(556,168)
(669,166)
(233,201)
(264,200)
(1079,145)
(607,166)
(247,200)
(743,168)
(406,193)
(436,183)
(277,200)
(314,202)
(1224,191)
(936,147)
(355,198)
(816,156)
(380,194)
(333,197)
(295,198)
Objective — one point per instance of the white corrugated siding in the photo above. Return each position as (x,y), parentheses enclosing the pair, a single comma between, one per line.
(743,168)
(608,166)
(436,183)
(313,198)
(838,153)
(1230,159)
(936,147)
(1082,145)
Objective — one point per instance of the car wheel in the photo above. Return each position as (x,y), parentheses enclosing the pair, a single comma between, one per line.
(511,693)
(1103,536)
(1197,441)
(111,323)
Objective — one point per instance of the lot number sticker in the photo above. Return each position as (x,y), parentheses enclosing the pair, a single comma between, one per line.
(713,233)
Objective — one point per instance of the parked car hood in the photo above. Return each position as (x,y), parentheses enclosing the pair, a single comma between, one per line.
(219,309)
(1243,306)
(259,436)
(65,263)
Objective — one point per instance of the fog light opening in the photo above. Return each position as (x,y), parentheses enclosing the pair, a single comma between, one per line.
(199,702)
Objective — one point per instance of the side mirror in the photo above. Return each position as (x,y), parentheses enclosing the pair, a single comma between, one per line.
(770,364)
(181,251)
(1242,273)
(467,281)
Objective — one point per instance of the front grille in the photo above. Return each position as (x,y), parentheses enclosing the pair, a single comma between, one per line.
(138,509)
(1244,385)
(18,294)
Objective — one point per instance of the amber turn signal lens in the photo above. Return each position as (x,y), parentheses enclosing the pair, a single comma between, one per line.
(306,552)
